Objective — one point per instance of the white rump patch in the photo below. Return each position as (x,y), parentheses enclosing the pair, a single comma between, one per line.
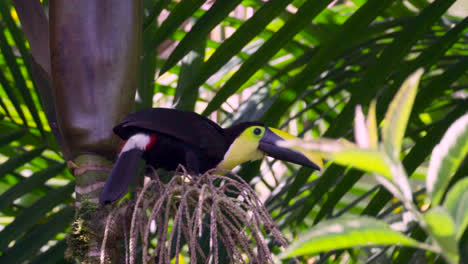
(137,141)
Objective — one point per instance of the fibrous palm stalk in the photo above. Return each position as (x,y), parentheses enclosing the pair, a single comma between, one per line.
(218,217)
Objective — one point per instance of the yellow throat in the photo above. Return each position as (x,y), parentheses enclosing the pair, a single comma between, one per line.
(244,148)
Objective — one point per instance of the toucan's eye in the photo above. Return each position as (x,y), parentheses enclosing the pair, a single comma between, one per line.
(257,131)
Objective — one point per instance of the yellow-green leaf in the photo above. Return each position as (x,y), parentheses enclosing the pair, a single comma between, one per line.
(446,157)
(371,123)
(347,232)
(365,159)
(456,203)
(398,113)
(442,228)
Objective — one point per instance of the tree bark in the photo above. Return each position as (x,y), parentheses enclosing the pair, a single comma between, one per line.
(95,54)
(85,62)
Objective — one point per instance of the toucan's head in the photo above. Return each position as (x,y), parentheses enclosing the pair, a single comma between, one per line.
(252,140)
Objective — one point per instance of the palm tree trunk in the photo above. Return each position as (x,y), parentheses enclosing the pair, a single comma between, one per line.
(90,79)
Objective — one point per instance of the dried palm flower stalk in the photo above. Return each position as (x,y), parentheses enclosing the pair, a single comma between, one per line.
(218,217)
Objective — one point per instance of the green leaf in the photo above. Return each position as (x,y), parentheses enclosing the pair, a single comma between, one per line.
(12,96)
(186,96)
(20,80)
(54,254)
(390,59)
(304,15)
(33,241)
(349,32)
(29,184)
(154,9)
(456,203)
(371,123)
(344,233)
(198,33)
(446,157)
(35,26)
(30,216)
(15,32)
(147,70)
(299,179)
(243,35)
(399,185)
(419,3)
(325,183)
(440,84)
(341,189)
(10,136)
(433,53)
(18,160)
(405,254)
(6,112)
(148,61)
(345,153)
(442,227)
(364,159)
(181,12)
(416,157)
(396,118)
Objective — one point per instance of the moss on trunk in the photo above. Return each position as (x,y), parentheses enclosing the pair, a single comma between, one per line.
(85,238)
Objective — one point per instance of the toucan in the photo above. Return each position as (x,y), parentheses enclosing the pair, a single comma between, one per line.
(165,138)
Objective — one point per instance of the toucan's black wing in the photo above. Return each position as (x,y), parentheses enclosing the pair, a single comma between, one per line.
(186,126)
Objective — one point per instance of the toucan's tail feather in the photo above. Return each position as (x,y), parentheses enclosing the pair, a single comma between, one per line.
(121,176)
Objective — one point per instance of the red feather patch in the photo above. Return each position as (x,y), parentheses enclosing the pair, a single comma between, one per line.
(121,146)
(152,141)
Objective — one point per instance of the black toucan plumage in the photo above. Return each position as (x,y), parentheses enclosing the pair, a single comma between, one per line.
(165,138)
